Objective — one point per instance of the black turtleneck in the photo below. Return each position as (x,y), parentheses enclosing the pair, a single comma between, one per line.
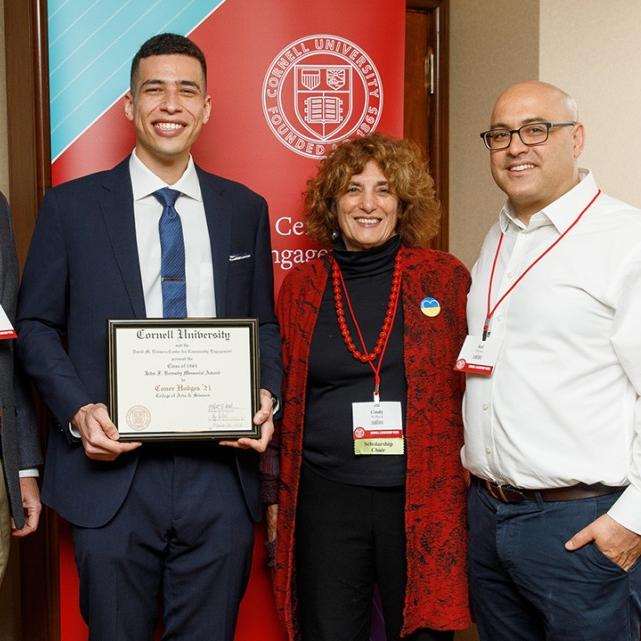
(336,379)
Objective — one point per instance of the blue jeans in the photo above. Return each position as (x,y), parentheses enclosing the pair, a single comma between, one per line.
(525,586)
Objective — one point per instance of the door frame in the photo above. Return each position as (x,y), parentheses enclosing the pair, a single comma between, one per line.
(438,151)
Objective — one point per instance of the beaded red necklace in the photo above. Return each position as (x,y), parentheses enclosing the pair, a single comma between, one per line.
(383,336)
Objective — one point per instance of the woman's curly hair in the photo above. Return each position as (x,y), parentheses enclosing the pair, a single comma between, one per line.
(402,163)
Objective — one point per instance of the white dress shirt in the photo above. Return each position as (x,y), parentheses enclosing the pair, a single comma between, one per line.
(562,405)
(199,273)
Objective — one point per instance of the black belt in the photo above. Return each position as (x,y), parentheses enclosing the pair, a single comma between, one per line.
(511,494)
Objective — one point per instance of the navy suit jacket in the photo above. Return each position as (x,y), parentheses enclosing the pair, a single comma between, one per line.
(83,269)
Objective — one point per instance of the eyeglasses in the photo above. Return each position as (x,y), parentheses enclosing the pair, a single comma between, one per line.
(534,133)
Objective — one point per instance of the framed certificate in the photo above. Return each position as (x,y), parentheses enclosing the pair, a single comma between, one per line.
(183,378)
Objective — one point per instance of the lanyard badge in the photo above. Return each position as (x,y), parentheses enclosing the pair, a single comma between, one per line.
(6,328)
(479,353)
(377,427)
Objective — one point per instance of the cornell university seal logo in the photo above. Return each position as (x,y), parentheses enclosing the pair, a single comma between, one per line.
(138,418)
(320,90)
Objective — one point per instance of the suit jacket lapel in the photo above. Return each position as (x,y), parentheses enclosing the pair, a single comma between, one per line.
(117,205)
(218,213)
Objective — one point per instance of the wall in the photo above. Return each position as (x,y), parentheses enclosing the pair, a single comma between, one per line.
(487,53)
(592,50)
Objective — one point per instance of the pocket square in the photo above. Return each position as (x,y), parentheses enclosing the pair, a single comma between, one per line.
(234,257)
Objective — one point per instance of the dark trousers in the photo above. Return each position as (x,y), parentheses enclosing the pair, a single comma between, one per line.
(349,538)
(525,586)
(181,544)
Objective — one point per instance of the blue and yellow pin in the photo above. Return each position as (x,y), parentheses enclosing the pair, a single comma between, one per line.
(430,307)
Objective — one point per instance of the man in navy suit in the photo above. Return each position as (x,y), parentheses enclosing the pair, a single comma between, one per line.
(153,523)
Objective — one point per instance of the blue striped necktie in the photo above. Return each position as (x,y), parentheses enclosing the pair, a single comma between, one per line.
(172,262)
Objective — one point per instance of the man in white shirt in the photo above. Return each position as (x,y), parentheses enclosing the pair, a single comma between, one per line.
(155,236)
(552,411)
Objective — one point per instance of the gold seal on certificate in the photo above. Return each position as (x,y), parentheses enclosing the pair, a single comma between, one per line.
(183,378)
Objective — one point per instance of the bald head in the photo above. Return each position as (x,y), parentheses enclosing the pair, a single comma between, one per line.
(541,92)
(535,174)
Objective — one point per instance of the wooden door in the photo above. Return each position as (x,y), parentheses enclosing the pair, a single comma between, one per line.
(426,94)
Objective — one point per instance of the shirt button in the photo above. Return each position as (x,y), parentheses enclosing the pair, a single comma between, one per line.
(485,406)
(488,451)
(500,318)
(510,275)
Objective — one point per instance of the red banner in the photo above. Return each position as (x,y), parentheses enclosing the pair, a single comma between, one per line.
(289,79)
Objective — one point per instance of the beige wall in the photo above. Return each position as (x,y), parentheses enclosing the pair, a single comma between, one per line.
(487,53)
(598,61)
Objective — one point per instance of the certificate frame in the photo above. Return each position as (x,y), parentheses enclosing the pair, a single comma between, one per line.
(155,373)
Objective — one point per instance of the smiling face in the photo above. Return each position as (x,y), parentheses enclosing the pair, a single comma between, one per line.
(168,108)
(534,176)
(368,210)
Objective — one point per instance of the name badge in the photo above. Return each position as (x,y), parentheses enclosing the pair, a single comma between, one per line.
(6,328)
(478,356)
(378,428)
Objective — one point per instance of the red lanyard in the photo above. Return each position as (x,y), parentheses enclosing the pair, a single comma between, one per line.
(386,331)
(490,309)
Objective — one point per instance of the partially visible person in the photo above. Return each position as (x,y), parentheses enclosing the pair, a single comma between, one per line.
(19,494)
(159,524)
(552,436)
(372,492)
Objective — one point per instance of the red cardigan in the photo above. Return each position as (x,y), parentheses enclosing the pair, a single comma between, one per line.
(436,594)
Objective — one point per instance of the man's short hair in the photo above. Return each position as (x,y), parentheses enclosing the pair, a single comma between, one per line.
(167,44)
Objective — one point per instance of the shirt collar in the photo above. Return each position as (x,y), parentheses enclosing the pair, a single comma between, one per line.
(562,212)
(144,182)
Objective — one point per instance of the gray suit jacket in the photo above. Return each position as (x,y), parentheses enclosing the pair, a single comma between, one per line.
(18,429)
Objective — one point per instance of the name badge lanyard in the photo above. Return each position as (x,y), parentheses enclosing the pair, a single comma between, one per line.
(490,309)
(386,329)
